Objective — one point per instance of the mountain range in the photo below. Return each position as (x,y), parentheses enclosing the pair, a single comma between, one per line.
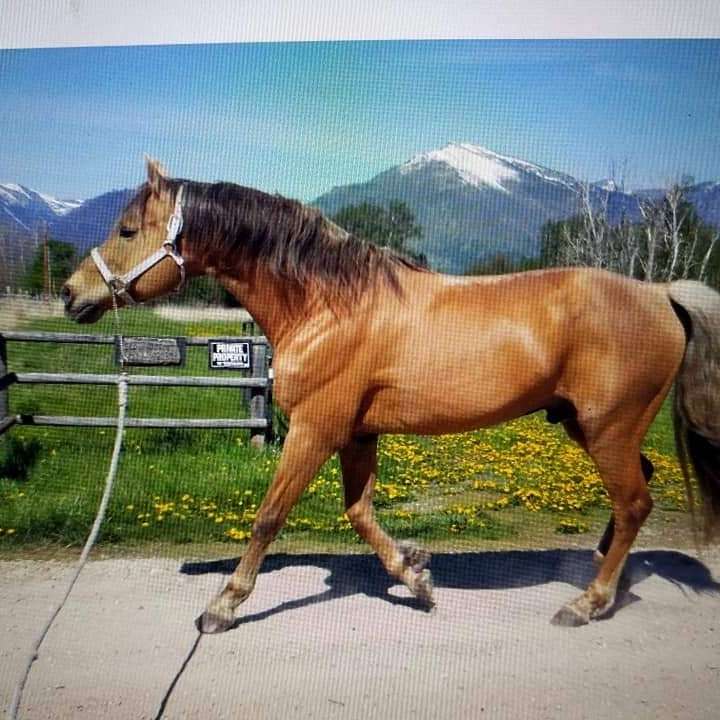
(471,203)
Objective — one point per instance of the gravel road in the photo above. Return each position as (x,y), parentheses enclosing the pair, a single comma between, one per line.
(328,636)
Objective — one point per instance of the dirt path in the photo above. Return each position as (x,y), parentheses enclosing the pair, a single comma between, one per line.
(326,636)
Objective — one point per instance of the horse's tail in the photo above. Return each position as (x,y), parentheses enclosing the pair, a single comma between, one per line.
(696,406)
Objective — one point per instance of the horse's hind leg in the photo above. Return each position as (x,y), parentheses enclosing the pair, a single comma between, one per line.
(618,461)
(574,431)
(604,545)
(403,561)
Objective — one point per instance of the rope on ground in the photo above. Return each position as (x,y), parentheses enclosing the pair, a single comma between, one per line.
(92,537)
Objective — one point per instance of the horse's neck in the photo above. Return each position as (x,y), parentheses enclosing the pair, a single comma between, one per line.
(274,307)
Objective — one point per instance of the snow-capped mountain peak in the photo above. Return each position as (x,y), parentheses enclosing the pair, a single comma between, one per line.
(26,210)
(609,185)
(474,165)
(14,194)
(60,207)
(480,167)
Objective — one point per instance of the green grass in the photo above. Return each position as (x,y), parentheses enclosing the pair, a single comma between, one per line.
(520,483)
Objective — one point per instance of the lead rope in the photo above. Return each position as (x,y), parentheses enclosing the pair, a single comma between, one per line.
(100,516)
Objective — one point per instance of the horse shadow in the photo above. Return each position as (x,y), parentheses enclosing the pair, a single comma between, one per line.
(493,570)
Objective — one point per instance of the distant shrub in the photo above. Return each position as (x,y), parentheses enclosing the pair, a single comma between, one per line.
(17,457)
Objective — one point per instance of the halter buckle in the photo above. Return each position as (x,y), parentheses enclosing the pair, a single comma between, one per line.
(174,226)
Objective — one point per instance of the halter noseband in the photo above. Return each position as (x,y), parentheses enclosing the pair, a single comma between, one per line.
(118,284)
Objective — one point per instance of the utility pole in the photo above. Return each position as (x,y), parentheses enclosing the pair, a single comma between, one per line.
(47,269)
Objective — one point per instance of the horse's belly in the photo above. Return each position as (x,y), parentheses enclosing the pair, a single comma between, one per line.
(442,408)
(485,377)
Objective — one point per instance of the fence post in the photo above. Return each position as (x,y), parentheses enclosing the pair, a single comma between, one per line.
(4,394)
(258,396)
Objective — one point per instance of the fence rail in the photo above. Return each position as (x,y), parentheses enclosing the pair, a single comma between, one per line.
(99,379)
(80,338)
(259,387)
(197,423)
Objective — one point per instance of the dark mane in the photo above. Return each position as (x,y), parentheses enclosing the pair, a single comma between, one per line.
(296,243)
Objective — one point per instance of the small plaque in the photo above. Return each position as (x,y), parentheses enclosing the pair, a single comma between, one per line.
(150,351)
(230,354)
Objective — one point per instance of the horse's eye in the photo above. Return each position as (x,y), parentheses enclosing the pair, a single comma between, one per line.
(126,232)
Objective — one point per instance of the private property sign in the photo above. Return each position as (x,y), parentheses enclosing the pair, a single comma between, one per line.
(229,354)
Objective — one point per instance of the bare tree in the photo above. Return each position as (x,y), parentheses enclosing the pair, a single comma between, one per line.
(670,241)
(594,242)
(675,220)
(674,239)
(704,265)
(651,230)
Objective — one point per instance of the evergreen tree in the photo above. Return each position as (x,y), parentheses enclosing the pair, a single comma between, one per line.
(393,226)
(503,264)
(62,263)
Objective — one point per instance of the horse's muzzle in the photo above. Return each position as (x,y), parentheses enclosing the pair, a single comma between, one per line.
(86,312)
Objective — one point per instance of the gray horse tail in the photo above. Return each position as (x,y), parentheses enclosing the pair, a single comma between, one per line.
(696,406)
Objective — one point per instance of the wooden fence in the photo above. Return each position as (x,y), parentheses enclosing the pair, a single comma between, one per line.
(258,387)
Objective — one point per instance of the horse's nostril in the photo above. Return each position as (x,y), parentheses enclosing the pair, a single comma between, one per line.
(66,296)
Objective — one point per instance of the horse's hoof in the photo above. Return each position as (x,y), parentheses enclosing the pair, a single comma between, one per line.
(210,623)
(569,616)
(423,589)
(414,556)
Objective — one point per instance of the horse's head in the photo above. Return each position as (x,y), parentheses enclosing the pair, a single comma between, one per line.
(138,261)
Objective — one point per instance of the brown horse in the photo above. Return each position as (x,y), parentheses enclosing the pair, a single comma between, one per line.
(365,343)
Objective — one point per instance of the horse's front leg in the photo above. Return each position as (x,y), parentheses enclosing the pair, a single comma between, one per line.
(303,454)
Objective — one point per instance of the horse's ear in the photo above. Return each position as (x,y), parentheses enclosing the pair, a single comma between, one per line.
(155,174)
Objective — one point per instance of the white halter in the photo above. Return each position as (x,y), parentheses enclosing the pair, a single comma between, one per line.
(118,284)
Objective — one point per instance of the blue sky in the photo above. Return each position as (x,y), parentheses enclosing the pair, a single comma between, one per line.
(300,118)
